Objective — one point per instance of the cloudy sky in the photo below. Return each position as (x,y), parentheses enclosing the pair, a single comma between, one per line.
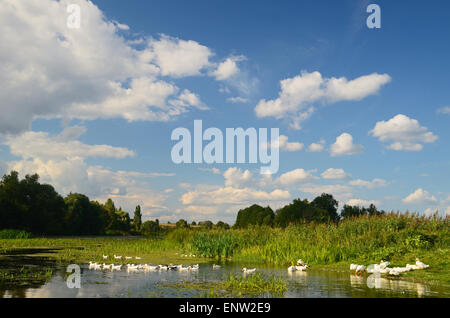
(363,113)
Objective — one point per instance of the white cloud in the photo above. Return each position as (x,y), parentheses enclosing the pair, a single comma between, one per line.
(51,71)
(362,203)
(337,190)
(420,196)
(296,176)
(317,146)
(375,183)
(40,145)
(237,99)
(213,170)
(179,58)
(430,211)
(444,110)
(229,195)
(344,146)
(301,91)
(234,177)
(337,174)
(227,68)
(403,133)
(284,144)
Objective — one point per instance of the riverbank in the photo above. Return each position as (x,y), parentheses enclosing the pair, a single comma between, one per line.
(364,240)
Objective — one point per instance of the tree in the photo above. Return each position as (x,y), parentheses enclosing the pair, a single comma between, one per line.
(328,203)
(206,224)
(29,205)
(222,225)
(300,211)
(137,218)
(182,224)
(349,211)
(83,217)
(254,215)
(150,227)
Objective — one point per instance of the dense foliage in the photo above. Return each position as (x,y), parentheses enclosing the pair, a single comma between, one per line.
(37,208)
(254,215)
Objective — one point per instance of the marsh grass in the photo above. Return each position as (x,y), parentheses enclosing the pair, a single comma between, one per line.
(399,238)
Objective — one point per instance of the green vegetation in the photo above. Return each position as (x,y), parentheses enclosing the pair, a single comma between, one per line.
(255,284)
(237,286)
(14,234)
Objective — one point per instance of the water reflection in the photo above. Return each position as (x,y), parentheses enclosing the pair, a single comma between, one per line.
(173,283)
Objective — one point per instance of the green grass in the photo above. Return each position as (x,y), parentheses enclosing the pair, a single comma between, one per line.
(14,234)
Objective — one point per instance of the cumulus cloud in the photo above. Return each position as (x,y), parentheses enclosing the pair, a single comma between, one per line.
(235,177)
(420,196)
(179,58)
(227,68)
(40,145)
(296,176)
(362,203)
(51,71)
(344,146)
(337,174)
(299,92)
(375,183)
(229,195)
(317,146)
(403,133)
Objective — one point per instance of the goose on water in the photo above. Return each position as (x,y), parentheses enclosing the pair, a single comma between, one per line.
(216,266)
(116,267)
(301,268)
(291,268)
(248,270)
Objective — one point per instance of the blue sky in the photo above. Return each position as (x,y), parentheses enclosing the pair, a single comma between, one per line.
(92,109)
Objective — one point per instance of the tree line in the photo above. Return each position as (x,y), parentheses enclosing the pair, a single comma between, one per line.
(37,208)
(323,209)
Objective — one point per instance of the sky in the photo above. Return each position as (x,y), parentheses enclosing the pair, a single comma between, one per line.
(363,113)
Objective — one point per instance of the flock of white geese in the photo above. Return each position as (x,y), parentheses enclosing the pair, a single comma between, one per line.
(383,268)
(147,267)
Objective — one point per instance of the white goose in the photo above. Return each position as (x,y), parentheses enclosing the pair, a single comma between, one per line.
(137,257)
(301,268)
(353,267)
(116,267)
(291,268)
(97,266)
(248,270)
(300,262)
(132,267)
(421,265)
(384,264)
(216,266)
(107,266)
(91,264)
(360,269)
(128,257)
(105,256)
(117,257)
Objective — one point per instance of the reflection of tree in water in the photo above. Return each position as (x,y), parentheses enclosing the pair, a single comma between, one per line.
(19,271)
